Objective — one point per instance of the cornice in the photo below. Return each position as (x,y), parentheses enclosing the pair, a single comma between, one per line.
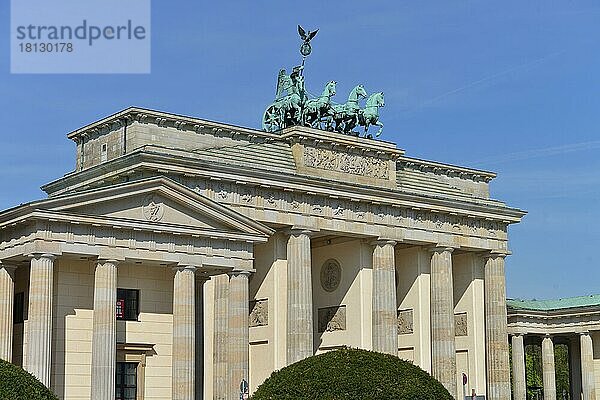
(449,170)
(163,119)
(341,142)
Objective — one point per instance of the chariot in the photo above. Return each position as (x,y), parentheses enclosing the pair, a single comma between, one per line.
(294,105)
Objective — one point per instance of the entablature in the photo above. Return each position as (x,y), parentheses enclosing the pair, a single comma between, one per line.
(147,163)
(279,200)
(72,236)
(553,322)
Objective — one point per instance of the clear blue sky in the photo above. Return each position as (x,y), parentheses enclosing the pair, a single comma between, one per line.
(509,86)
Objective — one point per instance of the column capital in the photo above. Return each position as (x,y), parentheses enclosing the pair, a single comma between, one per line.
(108,261)
(49,256)
(584,333)
(441,248)
(301,230)
(237,272)
(383,241)
(498,253)
(184,267)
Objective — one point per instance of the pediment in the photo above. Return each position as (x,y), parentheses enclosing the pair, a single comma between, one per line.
(158,201)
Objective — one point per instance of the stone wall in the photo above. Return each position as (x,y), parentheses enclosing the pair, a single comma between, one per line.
(412,297)
(340,272)
(470,336)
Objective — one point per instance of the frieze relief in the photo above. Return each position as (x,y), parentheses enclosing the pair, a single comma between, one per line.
(271,199)
(246,195)
(338,208)
(347,163)
(332,319)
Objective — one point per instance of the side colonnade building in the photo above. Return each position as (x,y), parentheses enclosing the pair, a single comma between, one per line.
(573,322)
(182,256)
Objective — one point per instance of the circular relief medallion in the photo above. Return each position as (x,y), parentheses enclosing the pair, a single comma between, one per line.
(331,275)
(153,209)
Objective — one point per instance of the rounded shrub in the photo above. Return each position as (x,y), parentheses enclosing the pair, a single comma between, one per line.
(352,374)
(18,384)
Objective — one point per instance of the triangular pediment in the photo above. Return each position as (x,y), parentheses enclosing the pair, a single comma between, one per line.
(157,201)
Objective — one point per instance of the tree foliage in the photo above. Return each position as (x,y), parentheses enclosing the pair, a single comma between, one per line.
(534,373)
(18,384)
(561,361)
(352,374)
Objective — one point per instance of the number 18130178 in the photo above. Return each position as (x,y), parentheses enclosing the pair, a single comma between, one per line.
(46,47)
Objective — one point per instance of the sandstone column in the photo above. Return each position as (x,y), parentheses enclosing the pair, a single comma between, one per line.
(299,297)
(104,336)
(496,331)
(588,385)
(238,331)
(221,337)
(518,362)
(184,333)
(39,324)
(548,371)
(7,297)
(443,348)
(201,279)
(385,325)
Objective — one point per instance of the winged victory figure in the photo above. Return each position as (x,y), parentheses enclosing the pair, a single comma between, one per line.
(306,37)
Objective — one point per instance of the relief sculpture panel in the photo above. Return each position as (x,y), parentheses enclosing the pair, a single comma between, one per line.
(460,325)
(347,163)
(331,275)
(259,313)
(405,322)
(332,319)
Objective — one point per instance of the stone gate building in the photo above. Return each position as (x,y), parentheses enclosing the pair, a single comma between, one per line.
(182,256)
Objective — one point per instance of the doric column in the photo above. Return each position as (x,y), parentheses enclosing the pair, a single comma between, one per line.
(548,369)
(496,331)
(443,348)
(238,331)
(39,324)
(221,337)
(518,363)
(299,297)
(184,333)
(385,326)
(588,385)
(201,279)
(104,336)
(7,297)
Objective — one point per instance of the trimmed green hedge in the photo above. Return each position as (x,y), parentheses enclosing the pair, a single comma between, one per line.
(351,374)
(18,384)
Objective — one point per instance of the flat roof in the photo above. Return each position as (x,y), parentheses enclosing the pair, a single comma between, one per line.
(555,304)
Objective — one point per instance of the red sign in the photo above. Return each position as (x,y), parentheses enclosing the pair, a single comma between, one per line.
(120,308)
